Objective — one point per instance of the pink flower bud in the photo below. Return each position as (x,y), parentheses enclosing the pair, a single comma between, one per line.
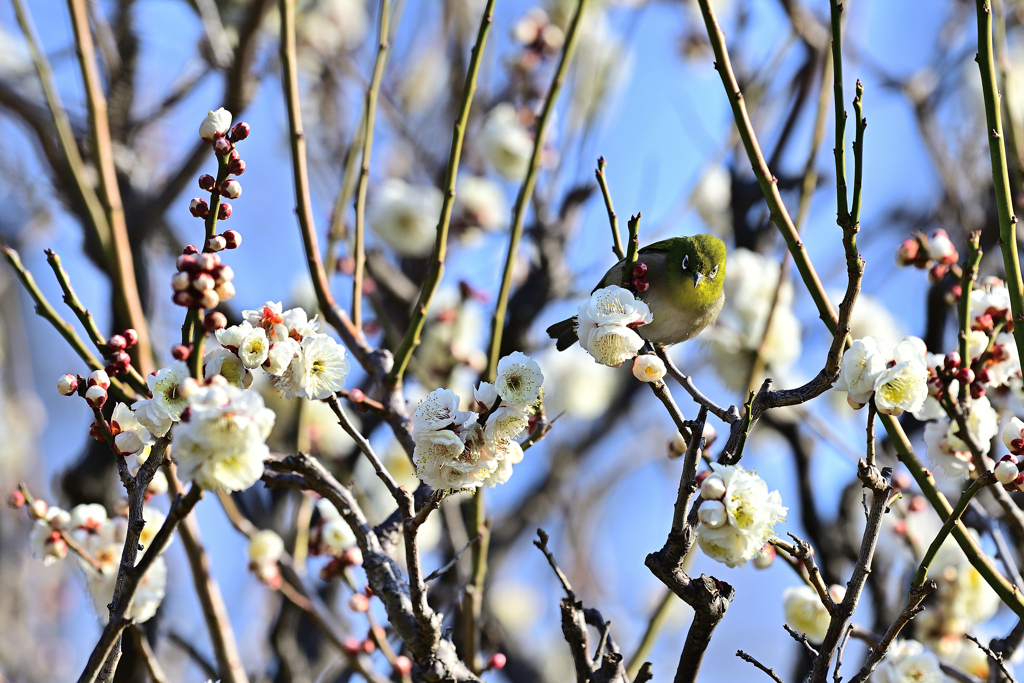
(356,396)
(965,376)
(1006,472)
(351,557)
(984,323)
(224,291)
(112,369)
(215,321)
(938,273)
(180,282)
(641,284)
(180,352)
(221,146)
(209,299)
(951,361)
(190,250)
(240,131)
(216,243)
(360,603)
(236,167)
(224,211)
(184,299)
(403,665)
(640,269)
(351,646)
(199,208)
(941,248)
(232,239)
(96,396)
(67,385)
(121,359)
(99,379)
(917,504)
(16,500)
(232,189)
(908,251)
(186,263)
(207,182)
(222,273)
(207,261)
(131,337)
(764,557)
(203,282)
(985,376)
(497,661)
(977,390)
(368,646)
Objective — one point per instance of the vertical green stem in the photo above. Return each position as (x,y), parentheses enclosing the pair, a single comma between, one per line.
(632,248)
(968,274)
(613,219)
(954,518)
(1000,175)
(370,106)
(842,207)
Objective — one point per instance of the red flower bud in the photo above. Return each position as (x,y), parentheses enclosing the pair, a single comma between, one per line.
(640,269)
(356,396)
(131,337)
(917,504)
(232,239)
(121,360)
(190,250)
(403,665)
(216,243)
(224,211)
(641,284)
(497,661)
(199,208)
(96,432)
(117,343)
(985,376)
(965,376)
(215,321)
(938,273)
(908,251)
(16,500)
(207,182)
(351,646)
(221,146)
(1017,446)
(180,352)
(186,264)
(977,390)
(240,131)
(951,361)
(236,166)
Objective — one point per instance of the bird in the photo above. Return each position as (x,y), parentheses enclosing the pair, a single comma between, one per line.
(685,293)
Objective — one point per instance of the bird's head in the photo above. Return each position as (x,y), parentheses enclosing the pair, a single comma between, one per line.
(699,266)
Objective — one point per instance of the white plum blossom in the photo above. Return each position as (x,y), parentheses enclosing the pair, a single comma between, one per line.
(164,386)
(904,386)
(519,379)
(481,203)
(231,338)
(941,248)
(605,325)
(405,216)
(806,613)
(254,348)
(1012,435)
(948,451)
(751,514)
(511,453)
(863,363)
(909,662)
(1006,470)
(335,533)
(216,124)
(507,422)
(439,410)
(486,394)
(281,355)
(147,600)
(223,443)
(992,300)
(324,367)
(506,142)
(265,548)
(228,365)
(45,538)
(649,368)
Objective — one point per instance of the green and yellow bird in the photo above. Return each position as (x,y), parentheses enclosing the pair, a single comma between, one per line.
(685,295)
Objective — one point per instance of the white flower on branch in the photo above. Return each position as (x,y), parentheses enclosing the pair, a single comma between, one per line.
(322,367)
(45,539)
(862,364)
(519,379)
(439,410)
(909,662)
(165,385)
(508,453)
(480,203)
(506,142)
(147,600)
(254,348)
(1013,436)
(649,368)
(335,534)
(806,613)
(229,366)
(405,216)
(223,443)
(507,422)
(265,547)
(751,513)
(605,325)
(904,385)
(216,124)
(948,451)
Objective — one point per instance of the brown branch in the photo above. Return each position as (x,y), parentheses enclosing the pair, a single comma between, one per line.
(748,658)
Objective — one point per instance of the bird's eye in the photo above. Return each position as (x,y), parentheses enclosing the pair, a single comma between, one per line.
(686,262)
(713,273)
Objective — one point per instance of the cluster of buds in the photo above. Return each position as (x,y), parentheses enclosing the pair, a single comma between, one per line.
(354,646)
(117,353)
(953,368)
(47,539)
(216,129)
(539,37)
(934,254)
(350,557)
(93,389)
(1007,472)
(640,283)
(202,281)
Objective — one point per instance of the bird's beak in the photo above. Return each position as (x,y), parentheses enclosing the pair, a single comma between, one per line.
(697,277)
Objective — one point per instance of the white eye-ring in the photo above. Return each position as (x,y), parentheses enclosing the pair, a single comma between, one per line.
(686,262)
(713,273)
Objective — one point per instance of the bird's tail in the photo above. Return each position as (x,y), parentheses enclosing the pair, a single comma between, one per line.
(564,332)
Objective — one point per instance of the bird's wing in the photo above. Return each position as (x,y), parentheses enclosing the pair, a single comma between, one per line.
(660,247)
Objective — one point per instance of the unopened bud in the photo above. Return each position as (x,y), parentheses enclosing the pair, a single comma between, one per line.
(497,661)
(951,361)
(209,299)
(938,273)
(713,488)
(985,376)
(199,208)
(403,665)
(358,603)
(640,269)
(67,385)
(351,557)
(713,514)
(99,379)
(221,146)
(207,261)
(96,396)
(908,251)
(765,556)
(186,263)
(236,166)
(180,282)
(121,359)
(131,337)
(676,446)
(203,282)
(16,500)
(207,182)
(117,343)
(356,396)
(641,284)
(232,189)
(977,390)
(224,291)
(917,504)
(224,211)
(1006,472)
(216,243)
(180,352)
(38,508)
(214,321)
(351,646)
(240,131)
(184,299)
(965,376)
(232,239)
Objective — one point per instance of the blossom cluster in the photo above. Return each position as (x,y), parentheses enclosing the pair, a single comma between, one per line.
(99,542)
(300,361)
(897,381)
(935,253)
(606,325)
(737,515)
(458,449)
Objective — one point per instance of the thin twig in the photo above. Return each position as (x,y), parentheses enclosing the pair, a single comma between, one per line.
(994,656)
(748,658)
(613,220)
(450,563)
(366,448)
(153,668)
(654,626)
